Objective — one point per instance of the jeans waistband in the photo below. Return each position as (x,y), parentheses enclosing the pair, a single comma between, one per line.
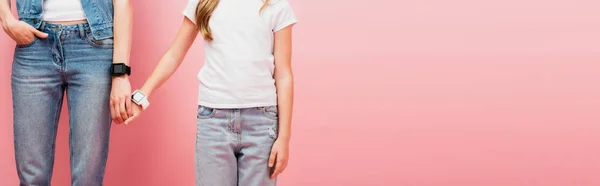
(51,28)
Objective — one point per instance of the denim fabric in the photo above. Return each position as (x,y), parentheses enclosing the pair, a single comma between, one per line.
(99,14)
(68,60)
(233,146)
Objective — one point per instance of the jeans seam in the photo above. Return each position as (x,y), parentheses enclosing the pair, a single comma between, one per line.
(56,119)
(14,134)
(70,136)
(105,148)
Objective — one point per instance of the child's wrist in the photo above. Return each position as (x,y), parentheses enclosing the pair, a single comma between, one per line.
(283,138)
(146,91)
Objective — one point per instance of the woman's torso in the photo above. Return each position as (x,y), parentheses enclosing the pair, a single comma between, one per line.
(32,12)
(61,11)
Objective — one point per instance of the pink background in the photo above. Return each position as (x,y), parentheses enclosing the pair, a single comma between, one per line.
(420,92)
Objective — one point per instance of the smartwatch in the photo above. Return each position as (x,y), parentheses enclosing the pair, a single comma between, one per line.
(120,69)
(139,98)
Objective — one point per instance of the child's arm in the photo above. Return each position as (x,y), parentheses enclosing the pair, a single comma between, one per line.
(284,82)
(169,62)
(173,57)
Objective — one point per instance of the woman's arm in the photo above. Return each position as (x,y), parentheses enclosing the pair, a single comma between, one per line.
(123,26)
(284,82)
(169,62)
(19,31)
(120,94)
(5,11)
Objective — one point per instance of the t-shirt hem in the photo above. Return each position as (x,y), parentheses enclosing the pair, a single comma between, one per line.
(189,17)
(285,24)
(229,106)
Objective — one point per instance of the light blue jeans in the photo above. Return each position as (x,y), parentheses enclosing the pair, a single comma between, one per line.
(68,60)
(233,146)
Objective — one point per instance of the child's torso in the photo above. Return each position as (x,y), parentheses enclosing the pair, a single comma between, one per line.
(239,64)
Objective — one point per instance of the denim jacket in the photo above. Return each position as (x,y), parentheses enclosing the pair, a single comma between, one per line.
(99,14)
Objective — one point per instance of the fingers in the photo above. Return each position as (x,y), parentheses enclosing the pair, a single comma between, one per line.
(117,108)
(23,33)
(122,109)
(137,111)
(113,111)
(38,33)
(279,167)
(272,158)
(130,119)
(128,105)
(24,38)
(276,162)
(284,165)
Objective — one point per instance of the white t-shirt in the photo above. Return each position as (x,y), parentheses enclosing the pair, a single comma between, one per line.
(239,65)
(62,10)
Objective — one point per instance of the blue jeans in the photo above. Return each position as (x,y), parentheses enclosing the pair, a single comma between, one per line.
(233,146)
(68,60)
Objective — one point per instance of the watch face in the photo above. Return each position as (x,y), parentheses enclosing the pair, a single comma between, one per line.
(137,97)
(118,69)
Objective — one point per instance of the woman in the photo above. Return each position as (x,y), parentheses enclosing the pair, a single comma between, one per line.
(67,46)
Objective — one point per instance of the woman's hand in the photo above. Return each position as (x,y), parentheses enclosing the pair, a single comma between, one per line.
(120,99)
(21,32)
(279,157)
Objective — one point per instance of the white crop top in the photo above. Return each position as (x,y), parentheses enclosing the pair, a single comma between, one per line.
(62,10)
(239,64)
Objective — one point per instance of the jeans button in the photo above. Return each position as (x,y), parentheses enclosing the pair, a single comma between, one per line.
(98,33)
(35,21)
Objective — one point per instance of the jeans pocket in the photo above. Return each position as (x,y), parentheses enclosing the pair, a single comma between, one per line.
(205,112)
(270,112)
(99,43)
(35,39)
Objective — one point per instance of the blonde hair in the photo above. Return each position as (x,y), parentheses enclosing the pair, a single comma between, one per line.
(204,11)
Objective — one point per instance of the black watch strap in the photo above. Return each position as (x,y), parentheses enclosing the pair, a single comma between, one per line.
(120,69)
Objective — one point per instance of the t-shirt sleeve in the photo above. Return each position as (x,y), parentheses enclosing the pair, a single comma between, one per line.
(284,15)
(190,10)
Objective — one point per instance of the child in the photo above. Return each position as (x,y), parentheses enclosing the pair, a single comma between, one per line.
(246,88)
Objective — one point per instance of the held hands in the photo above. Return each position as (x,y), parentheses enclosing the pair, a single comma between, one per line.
(137,110)
(279,157)
(122,108)
(120,100)
(21,32)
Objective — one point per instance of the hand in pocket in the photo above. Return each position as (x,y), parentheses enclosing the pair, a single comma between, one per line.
(21,32)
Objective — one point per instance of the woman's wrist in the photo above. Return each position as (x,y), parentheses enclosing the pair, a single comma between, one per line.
(123,77)
(6,20)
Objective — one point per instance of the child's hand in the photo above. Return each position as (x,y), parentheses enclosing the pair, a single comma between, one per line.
(279,157)
(137,110)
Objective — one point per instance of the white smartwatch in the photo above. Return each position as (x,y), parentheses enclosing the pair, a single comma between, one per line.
(139,98)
